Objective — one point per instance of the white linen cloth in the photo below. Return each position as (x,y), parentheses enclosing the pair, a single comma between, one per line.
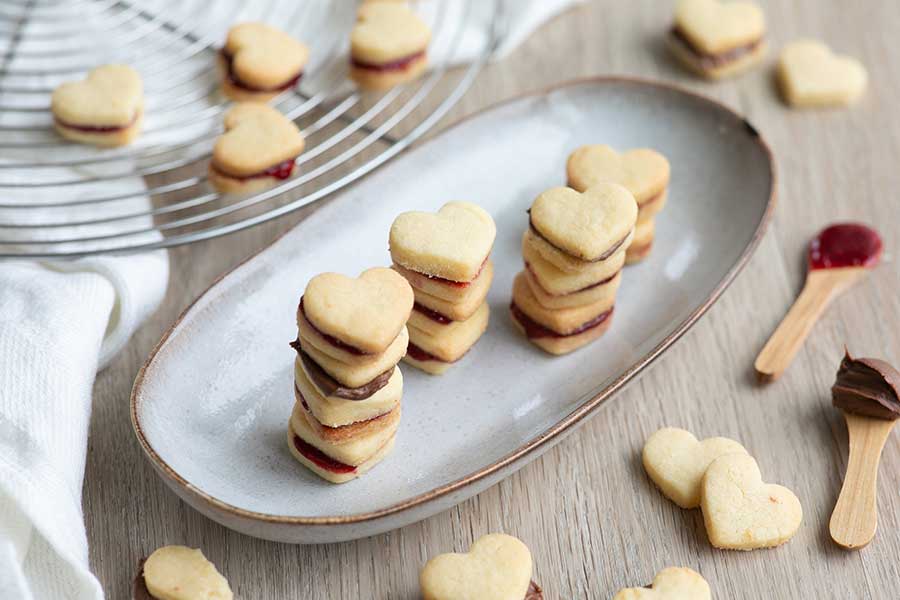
(62,321)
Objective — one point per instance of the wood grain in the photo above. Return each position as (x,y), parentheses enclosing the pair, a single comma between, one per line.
(592,518)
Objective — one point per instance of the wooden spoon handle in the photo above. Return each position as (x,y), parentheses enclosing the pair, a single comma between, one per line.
(855,516)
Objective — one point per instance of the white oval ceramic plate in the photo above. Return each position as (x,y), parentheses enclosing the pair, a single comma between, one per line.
(211,405)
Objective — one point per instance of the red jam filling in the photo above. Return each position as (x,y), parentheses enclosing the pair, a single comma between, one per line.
(584,289)
(232,76)
(96,128)
(282,170)
(450,282)
(845,245)
(432,314)
(399,64)
(533,329)
(320,459)
(421,355)
(331,339)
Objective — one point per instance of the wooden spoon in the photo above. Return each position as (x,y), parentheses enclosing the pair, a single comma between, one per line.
(839,256)
(855,516)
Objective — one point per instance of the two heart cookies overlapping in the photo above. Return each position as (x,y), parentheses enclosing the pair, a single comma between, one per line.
(740,510)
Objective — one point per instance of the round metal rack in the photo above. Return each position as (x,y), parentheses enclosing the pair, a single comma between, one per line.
(59,199)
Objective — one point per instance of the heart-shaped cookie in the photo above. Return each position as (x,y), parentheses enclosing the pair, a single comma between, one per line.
(586,225)
(676,462)
(497,567)
(367,312)
(182,573)
(452,243)
(256,138)
(714,27)
(386,32)
(263,57)
(811,75)
(672,583)
(644,172)
(742,512)
(110,96)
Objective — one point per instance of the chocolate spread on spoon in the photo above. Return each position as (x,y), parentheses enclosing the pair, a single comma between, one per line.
(868,387)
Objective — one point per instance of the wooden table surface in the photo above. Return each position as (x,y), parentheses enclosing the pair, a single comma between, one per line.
(591,517)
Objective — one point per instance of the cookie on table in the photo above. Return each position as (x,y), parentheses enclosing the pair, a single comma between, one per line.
(496,567)
(388,45)
(672,583)
(259,61)
(717,39)
(257,151)
(810,75)
(180,573)
(105,109)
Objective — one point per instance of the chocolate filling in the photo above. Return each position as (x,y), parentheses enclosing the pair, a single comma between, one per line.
(584,289)
(867,386)
(399,64)
(329,338)
(102,129)
(534,592)
(319,458)
(712,61)
(534,330)
(432,314)
(329,386)
(233,78)
(602,257)
(282,170)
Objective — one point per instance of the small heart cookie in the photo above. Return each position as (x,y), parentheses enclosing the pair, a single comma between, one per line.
(497,567)
(811,75)
(715,27)
(676,462)
(181,573)
(105,109)
(260,61)
(672,583)
(743,513)
(388,45)
(644,172)
(257,149)
(452,244)
(587,225)
(367,312)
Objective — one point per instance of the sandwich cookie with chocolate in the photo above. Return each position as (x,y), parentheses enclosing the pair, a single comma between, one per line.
(644,172)
(388,45)
(258,62)
(257,151)
(718,39)
(573,251)
(445,258)
(347,386)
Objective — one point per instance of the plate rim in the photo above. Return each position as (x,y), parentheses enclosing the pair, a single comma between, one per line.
(561,427)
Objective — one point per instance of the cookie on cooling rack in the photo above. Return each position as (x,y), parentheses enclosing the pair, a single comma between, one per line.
(257,150)
(104,109)
(258,62)
(388,46)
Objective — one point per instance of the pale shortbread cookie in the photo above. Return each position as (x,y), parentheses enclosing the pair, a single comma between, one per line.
(562,321)
(652,207)
(644,172)
(812,76)
(366,312)
(585,225)
(448,342)
(565,262)
(715,27)
(352,433)
(432,367)
(181,573)
(109,102)
(672,583)
(352,451)
(558,345)
(642,243)
(718,70)
(335,411)
(474,291)
(359,375)
(743,513)
(331,476)
(496,567)
(452,243)
(598,293)
(676,462)
(313,337)
(556,281)
(458,311)
(388,46)
(263,59)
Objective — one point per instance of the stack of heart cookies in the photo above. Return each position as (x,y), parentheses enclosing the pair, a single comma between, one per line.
(574,250)
(644,172)
(444,256)
(352,334)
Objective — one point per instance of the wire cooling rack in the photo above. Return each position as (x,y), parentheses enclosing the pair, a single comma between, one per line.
(59,199)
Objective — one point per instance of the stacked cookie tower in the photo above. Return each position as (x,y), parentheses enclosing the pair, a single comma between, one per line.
(574,250)
(352,334)
(444,257)
(644,172)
